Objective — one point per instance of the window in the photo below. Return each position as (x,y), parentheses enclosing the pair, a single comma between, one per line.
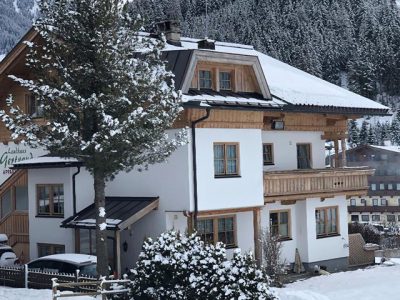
(225,81)
(375,202)
(383,202)
(280,225)
(391,218)
(376,218)
(48,249)
(304,156)
(352,202)
(390,186)
(381,186)
(373,186)
(363,201)
(398,218)
(33,106)
(326,221)
(398,186)
(218,229)
(365,218)
(226,159)
(205,79)
(87,241)
(268,154)
(354,218)
(398,201)
(6,204)
(50,200)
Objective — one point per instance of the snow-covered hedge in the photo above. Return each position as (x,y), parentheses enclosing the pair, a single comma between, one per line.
(177,266)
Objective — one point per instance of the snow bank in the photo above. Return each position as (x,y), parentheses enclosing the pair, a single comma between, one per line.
(30,294)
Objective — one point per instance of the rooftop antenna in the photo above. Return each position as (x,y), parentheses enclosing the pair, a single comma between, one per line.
(206,37)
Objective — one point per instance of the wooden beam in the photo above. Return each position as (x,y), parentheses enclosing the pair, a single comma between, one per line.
(137,216)
(344,159)
(118,250)
(257,235)
(336,146)
(227,211)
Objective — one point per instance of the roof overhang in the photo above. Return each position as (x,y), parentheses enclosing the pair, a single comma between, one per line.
(47,162)
(121,213)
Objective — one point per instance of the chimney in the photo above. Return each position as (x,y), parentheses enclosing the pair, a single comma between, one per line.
(172,31)
(206,44)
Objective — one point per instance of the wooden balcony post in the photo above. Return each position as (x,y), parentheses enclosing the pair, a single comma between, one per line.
(257,235)
(336,145)
(344,159)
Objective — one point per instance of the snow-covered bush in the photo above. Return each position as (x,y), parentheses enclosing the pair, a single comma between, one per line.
(178,266)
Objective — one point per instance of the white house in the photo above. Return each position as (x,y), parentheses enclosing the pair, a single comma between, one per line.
(255,159)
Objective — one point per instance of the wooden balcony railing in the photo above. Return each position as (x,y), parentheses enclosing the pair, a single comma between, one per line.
(302,184)
(16,226)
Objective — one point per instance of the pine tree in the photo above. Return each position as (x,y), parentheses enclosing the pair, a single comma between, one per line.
(371,136)
(354,133)
(364,133)
(105,105)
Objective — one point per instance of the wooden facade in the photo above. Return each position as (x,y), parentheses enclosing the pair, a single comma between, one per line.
(242,76)
(323,183)
(16,223)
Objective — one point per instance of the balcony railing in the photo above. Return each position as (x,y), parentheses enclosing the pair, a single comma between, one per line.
(373,209)
(302,184)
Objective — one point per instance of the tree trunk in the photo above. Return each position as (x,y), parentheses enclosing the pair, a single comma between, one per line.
(101,235)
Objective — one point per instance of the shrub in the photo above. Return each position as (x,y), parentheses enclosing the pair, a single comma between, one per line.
(273,263)
(177,266)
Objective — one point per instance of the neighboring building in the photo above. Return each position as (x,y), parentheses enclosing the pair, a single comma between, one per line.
(258,162)
(382,204)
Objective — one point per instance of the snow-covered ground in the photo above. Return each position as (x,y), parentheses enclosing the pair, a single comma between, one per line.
(380,282)
(30,294)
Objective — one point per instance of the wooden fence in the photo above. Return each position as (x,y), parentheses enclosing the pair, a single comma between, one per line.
(21,277)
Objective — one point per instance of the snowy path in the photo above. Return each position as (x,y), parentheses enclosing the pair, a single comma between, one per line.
(381,282)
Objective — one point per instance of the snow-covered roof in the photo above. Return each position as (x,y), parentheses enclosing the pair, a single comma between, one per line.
(71,257)
(47,161)
(387,148)
(290,84)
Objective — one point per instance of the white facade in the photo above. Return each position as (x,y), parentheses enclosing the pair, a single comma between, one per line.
(172,182)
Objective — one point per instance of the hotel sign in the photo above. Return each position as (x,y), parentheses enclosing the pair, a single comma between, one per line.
(13,153)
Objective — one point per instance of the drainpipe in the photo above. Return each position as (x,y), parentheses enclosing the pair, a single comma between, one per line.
(74,189)
(196,206)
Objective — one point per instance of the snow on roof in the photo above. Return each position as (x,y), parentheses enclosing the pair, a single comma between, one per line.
(2,56)
(71,257)
(388,148)
(47,160)
(217,99)
(291,84)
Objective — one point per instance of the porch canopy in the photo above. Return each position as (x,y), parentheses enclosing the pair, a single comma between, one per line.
(121,212)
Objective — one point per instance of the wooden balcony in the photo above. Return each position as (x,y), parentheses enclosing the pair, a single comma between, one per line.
(325,183)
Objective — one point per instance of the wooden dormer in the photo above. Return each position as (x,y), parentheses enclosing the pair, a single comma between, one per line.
(209,70)
(225,77)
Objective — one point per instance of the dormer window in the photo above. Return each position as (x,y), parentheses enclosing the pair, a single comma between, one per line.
(205,79)
(33,106)
(225,82)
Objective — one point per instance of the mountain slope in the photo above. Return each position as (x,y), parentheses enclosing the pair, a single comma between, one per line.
(15,19)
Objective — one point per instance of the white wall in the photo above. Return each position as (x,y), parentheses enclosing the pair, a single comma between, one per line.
(47,229)
(303,229)
(222,193)
(285,150)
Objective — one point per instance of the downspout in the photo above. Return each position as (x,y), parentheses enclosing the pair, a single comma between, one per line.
(74,190)
(196,206)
